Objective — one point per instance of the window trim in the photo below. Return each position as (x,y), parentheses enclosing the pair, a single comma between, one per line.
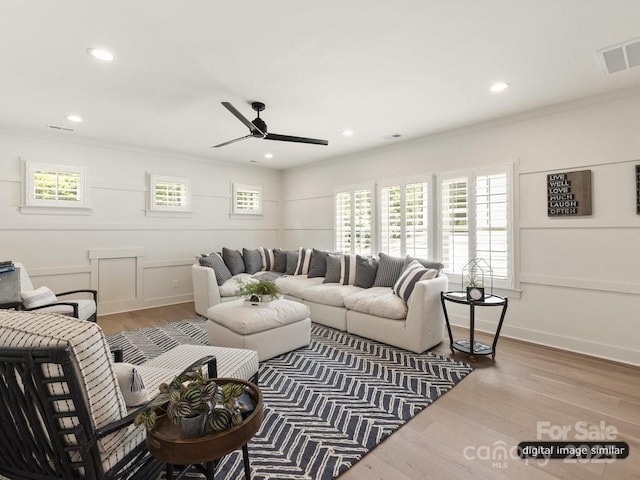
(33,205)
(238,212)
(153,207)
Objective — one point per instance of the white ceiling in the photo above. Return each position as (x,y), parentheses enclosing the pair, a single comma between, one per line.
(412,67)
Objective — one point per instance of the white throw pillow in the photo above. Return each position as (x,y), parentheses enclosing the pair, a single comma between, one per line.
(38,297)
(131,384)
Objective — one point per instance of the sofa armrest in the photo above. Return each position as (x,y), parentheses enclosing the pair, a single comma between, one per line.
(205,288)
(425,317)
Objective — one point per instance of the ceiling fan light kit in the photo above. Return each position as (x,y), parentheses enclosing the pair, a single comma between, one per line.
(258,128)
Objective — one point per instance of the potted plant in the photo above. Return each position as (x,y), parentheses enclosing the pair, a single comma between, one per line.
(260,291)
(195,403)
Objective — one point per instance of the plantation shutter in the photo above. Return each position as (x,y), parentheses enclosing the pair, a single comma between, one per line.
(417,220)
(343,222)
(391,220)
(492,224)
(363,219)
(455,223)
(171,194)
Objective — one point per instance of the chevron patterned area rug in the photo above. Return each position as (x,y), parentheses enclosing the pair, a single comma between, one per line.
(327,405)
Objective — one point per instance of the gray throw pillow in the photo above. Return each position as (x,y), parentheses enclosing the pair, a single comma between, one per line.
(233,259)
(366,268)
(292,261)
(429,264)
(219,268)
(280,260)
(252,260)
(333,269)
(318,263)
(389,270)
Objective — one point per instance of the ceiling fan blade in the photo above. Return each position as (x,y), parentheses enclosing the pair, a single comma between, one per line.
(232,141)
(289,138)
(242,118)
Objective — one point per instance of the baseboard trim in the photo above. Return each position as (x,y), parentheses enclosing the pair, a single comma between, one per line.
(592,349)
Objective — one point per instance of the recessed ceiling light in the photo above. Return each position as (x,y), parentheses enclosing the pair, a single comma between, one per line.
(347,133)
(268,155)
(74,118)
(101,54)
(499,87)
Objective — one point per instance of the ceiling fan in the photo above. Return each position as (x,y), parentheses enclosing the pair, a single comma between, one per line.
(258,128)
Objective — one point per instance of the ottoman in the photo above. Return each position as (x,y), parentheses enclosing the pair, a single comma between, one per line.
(270,329)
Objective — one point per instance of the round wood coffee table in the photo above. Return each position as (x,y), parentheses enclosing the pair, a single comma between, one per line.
(167,443)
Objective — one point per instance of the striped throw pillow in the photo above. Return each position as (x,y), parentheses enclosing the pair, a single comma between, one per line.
(38,297)
(268,259)
(410,276)
(348,270)
(304,258)
(389,270)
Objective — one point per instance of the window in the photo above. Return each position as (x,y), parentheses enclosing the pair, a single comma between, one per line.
(51,185)
(354,221)
(475,221)
(247,199)
(169,194)
(404,219)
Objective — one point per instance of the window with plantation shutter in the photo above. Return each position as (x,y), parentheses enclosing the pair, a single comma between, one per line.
(354,221)
(475,222)
(343,222)
(247,199)
(53,185)
(169,194)
(404,219)
(455,223)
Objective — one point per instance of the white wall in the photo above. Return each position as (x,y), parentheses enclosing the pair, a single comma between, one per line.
(580,288)
(145,256)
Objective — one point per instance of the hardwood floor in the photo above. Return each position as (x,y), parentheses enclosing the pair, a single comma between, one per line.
(464,434)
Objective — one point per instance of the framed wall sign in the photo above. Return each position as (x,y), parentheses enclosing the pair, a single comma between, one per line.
(569,194)
(638,189)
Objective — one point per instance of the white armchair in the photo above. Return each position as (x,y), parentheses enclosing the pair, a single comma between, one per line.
(81,308)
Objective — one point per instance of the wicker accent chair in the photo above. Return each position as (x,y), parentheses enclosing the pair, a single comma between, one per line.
(62,414)
(82,308)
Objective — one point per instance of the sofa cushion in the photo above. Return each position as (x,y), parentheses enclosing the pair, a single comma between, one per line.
(280,260)
(366,271)
(412,274)
(230,287)
(348,266)
(296,285)
(215,261)
(333,268)
(378,301)
(389,269)
(438,266)
(233,260)
(304,259)
(292,261)
(333,295)
(318,263)
(252,260)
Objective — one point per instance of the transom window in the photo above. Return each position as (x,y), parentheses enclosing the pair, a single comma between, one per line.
(169,193)
(54,185)
(247,199)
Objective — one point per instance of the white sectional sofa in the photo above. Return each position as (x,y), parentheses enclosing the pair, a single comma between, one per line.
(376,313)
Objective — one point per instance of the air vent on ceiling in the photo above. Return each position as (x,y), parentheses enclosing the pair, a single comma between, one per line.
(56,127)
(620,57)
